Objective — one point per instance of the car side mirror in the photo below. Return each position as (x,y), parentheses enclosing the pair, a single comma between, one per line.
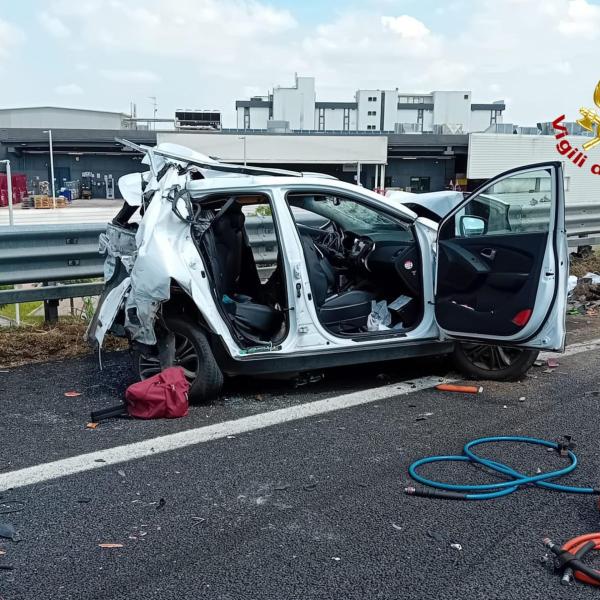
(470,226)
(182,206)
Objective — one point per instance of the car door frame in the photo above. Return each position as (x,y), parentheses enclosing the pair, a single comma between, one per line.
(539,332)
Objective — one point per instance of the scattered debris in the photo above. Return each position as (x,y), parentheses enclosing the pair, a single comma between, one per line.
(465,389)
(335,558)
(456,547)
(396,527)
(307,378)
(99,460)
(552,363)
(2,552)
(92,425)
(538,363)
(424,416)
(198,520)
(282,486)
(84,500)
(8,532)
(161,504)
(309,486)
(504,406)
(522,399)
(72,394)
(435,536)
(110,545)
(121,473)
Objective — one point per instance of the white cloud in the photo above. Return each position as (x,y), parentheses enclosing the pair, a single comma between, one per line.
(129,76)
(581,20)
(10,36)
(541,54)
(406,26)
(53,25)
(68,89)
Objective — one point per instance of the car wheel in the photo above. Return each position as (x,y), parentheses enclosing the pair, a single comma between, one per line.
(194,355)
(498,363)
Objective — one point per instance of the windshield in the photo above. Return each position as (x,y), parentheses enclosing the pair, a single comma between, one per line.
(349,214)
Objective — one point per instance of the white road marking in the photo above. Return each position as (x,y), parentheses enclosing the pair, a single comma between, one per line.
(572,349)
(191,437)
(174,441)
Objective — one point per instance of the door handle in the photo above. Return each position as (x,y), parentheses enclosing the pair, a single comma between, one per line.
(488,253)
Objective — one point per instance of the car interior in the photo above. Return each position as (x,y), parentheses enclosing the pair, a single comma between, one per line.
(254,306)
(491,255)
(364,266)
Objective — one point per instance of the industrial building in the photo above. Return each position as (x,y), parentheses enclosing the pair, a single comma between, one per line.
(418,162)
(296,108)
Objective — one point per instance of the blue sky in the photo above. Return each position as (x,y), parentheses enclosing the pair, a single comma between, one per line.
(540,57)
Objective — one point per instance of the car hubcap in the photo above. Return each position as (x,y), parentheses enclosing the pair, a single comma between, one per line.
(491,358)
(185,357)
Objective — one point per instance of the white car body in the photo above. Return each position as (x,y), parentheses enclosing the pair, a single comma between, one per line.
(163,252)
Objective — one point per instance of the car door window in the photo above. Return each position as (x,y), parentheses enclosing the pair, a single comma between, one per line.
(518,204)
(491,253)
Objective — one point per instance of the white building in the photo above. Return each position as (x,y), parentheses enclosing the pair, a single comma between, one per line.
(296,108)
(56,117)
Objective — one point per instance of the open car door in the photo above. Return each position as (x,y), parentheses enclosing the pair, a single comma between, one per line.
(502,264)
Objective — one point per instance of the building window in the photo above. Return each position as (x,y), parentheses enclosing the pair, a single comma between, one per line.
(466,96)
(246,117)
(371,126)
(346,125)
(420,119)
(321,125)
(372,98)
(372,113)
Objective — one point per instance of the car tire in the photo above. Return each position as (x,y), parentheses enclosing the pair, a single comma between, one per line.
(194,354)
(495,363)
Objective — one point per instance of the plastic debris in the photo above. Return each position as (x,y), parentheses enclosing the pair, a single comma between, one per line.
(552,363)
(522,399)
(456,546)
(72,394)
(161,504)
(110,545)
(465,389)
(423,416)
(396,527)
(380,317)
(92,425)
(8,532)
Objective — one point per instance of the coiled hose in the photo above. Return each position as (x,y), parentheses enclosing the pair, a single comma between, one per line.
(501,488)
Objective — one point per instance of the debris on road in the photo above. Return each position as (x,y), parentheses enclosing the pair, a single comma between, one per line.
(552,363)
(456,546)
(161,504)
(396,527)
(434,535)
(92,425)
(110,545)
(465,389)
(424,416)
(8,532)
(72,394)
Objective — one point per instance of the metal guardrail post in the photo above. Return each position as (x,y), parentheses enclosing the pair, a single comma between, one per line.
(50,308)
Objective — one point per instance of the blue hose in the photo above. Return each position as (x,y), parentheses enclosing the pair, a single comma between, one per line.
(494,490)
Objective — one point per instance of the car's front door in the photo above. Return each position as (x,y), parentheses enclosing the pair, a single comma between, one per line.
(502,261)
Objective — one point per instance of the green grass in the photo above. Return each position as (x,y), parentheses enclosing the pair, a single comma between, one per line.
(26,308)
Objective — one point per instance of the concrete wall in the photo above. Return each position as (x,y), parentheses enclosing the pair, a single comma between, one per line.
(452,108)
(282,148)
(492,154)
(296,104)
(59,118)
(364,120)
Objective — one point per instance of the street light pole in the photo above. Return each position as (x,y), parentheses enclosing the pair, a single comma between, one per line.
(49,132)
(243,137)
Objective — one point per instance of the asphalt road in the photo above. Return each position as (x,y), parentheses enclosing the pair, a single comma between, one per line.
(307,509)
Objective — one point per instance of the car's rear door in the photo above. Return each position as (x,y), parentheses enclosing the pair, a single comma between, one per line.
(502,263)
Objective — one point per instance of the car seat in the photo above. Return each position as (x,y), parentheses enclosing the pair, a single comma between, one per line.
(235,274)
(339,311)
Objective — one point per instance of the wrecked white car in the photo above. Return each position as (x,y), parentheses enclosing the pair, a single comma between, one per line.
(241,270)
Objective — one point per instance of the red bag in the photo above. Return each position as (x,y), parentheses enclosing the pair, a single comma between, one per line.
(162,396)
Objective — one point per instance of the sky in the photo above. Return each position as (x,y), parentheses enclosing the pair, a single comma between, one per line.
(540,56)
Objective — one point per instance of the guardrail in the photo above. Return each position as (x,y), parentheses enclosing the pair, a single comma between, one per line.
(60,256)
